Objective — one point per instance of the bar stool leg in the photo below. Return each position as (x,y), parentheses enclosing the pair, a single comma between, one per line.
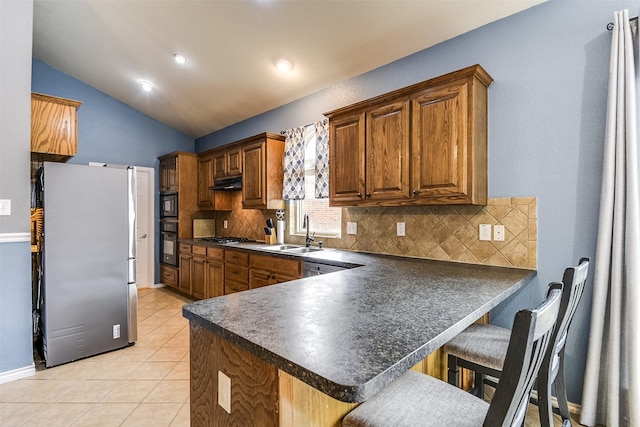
(561,392)
(453,377)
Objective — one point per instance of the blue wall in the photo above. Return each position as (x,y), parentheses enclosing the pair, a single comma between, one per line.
(110,131)
(546,129)
(16,349)
(16,346)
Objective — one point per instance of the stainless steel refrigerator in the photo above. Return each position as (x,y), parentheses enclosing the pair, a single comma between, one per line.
(89,297)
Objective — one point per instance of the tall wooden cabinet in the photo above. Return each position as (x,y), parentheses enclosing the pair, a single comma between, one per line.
(263,171)
(54,128)
(179,174)
(421,145)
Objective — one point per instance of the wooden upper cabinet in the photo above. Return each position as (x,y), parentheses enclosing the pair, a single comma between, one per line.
(442,164)
(205,180)
(347,165)
(169,174)
(219,164)
(54,127)
(253,182)
(234,161)
(227,162)
(209,199)
(262,176)
(387,148)
(425,144)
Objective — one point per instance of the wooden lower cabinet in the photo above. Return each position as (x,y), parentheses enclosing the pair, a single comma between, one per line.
(199,277)
(201,271)
(184,284)
(267,270)
(261,394)
(236,271)
(169,276)
(215,278)
(254,383)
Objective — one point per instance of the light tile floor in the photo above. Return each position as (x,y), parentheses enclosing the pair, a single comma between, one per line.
(143,385)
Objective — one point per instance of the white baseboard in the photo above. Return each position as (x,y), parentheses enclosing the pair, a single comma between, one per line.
(17,374)
(156,285)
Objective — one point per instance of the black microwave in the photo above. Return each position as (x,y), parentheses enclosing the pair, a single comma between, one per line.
(169,205)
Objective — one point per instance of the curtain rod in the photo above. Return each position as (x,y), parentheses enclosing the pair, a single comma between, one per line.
(610,24)
(284,131)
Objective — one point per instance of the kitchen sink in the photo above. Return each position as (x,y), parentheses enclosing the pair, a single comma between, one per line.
(284,247)
(304,250)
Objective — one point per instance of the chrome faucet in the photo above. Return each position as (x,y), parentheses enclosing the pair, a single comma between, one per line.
(306,223)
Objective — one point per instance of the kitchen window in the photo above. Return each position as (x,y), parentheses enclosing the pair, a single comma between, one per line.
(325,221)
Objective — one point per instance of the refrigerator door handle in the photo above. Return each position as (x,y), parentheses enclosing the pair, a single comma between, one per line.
(132,312)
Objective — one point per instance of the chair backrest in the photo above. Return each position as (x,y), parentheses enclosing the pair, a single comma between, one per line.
(530,338)
(574,280)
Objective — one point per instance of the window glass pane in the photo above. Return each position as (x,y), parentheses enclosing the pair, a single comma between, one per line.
(325,220)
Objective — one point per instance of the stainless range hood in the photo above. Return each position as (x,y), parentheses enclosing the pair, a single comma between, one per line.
(228,184)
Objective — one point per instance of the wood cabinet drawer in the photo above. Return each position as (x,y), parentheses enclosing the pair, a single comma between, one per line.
(199,250)
(259,278)
(215,253)
(236,257)
(169,276)
(185,249)
(287,267)
(236,272)
(231,286)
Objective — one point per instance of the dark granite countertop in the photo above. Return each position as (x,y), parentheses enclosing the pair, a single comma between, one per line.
(350,333)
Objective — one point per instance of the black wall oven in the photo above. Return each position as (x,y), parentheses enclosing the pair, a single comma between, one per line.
(169,242)
(169,205)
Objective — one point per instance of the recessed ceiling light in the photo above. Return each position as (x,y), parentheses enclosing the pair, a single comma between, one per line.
(146,86)
(179,58)
(284,65)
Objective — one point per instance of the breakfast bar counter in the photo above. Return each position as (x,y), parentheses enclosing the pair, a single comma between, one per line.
(346,334)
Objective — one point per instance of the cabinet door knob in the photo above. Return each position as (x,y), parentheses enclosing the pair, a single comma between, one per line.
(415,192)
(368,195)
(359,195)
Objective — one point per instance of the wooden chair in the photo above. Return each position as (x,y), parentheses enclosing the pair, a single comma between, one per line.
(482,349)
(417,399)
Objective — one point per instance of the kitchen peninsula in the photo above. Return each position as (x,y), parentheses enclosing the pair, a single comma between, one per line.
(305,352)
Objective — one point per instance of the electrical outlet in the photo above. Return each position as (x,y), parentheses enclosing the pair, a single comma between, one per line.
(485,231)
(116,332)
(498,232)
(5,206)
(352,228)
(400,228)
(225,224)
(224,391)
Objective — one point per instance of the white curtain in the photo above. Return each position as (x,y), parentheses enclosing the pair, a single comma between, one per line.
(612,379)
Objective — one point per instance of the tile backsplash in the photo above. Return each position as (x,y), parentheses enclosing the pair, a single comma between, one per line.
(436,232)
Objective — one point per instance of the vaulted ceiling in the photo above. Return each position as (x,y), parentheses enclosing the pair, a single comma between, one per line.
(232,45)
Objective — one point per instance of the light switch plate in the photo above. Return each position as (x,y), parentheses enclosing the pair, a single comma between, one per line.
(485,231)
(5,206)
(498,232)
(400,228)
(224,391)
(352,228)
(225,224)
